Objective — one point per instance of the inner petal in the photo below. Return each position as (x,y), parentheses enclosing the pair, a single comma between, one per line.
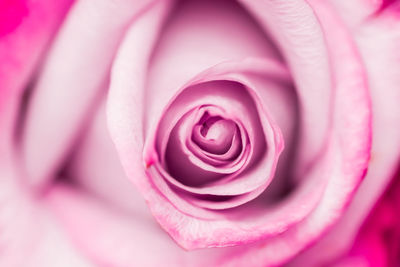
(223,117)
(214,134)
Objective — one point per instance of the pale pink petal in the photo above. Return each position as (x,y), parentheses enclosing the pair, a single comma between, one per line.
(347,164)
(378,39)
(52,246)
(75,71)
(29,234)
(96,169)
(113,239)
(296,31)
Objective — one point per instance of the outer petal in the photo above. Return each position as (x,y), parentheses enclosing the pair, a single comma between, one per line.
(296,31)
(348,163)
(96,169)
(74,72)
(29,235)
(113,239)
(26,234)
(378,39)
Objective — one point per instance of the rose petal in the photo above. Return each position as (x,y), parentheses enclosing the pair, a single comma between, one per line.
(377,40)
(134,240)
(27,234)
(96,169)
(350,89)
(93,29)
(297,33)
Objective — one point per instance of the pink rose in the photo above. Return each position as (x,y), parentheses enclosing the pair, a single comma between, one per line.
(258,133)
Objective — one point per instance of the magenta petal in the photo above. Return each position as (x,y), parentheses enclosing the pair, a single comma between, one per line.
(12,14)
